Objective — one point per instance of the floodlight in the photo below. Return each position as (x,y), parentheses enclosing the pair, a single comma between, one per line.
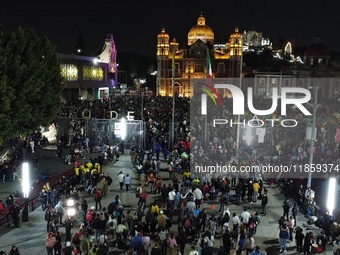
(123,128)
(331,195)
(70,203)
(25,180)
(71,212)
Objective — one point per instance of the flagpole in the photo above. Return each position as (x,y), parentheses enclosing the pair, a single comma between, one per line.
(239,116)
(173,100)
(208,76)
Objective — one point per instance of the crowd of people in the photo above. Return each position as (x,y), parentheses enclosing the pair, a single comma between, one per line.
(184,200)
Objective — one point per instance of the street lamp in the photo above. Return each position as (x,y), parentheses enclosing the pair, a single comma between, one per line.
(238,116)
(331,195)
(123,132)
(71,208)
(173,99)
(25,189)
(313,136)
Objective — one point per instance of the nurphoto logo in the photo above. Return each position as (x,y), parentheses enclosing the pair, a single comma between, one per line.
(239,103)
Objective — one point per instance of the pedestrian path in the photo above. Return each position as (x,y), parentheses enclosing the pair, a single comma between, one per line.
(49,165)
(30,236)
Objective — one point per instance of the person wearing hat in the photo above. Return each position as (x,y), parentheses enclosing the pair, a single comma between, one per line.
(162,219)
(68,249)
(14,251)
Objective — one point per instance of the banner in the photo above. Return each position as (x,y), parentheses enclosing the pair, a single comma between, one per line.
(261,131)
(260,139)
(309,133)
(337,135)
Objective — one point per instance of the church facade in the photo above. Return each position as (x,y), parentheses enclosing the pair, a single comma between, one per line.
(194,60)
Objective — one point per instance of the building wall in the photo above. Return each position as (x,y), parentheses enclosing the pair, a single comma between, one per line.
(191,62)
(82,76)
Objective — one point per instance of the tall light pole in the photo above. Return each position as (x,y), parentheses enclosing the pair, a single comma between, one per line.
(25,189)
(313,136)
(173,99)
(123,128)
(141,113)
(239,117)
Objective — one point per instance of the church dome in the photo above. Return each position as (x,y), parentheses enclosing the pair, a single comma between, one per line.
(200,32)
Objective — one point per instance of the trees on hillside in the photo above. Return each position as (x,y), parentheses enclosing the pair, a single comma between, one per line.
(30,82)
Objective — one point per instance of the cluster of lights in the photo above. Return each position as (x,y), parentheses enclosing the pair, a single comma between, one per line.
(71,208)
(331,195)
(25,180)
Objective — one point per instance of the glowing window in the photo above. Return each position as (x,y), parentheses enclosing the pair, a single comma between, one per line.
(69,72)
(93,73)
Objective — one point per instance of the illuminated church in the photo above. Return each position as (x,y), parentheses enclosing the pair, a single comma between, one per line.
(192,61)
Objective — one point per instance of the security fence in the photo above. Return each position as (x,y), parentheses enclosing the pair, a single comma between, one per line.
(103,131)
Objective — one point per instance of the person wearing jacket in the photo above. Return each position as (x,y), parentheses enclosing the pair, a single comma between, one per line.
(286,209)
(336,245)
(50,242)
(307,243)
(97,225)
(59,209)
(284,236)
(172,243)
(264,203)
(299,236)
(14,251)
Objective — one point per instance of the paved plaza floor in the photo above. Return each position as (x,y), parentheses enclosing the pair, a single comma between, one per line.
(30,237)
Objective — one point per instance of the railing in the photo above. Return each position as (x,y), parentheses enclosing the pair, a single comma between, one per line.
(318,212)
(32,202)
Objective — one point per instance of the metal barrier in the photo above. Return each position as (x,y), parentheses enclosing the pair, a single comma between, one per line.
(32,202)
(102,131)
(318,212)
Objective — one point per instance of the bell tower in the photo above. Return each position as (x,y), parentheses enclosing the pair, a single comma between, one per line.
(163,43)
(235,43)
(235,48)
(163,48)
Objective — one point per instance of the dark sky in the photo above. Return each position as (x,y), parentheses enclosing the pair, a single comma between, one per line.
(136,23)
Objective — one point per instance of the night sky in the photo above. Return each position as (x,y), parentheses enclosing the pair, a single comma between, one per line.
(136,23)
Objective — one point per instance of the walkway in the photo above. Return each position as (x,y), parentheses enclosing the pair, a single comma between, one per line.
(30,236)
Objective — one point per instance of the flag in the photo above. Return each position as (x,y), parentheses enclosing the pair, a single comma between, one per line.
(337,136)
(209,71)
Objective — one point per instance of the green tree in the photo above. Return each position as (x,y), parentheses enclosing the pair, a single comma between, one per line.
(30,82)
